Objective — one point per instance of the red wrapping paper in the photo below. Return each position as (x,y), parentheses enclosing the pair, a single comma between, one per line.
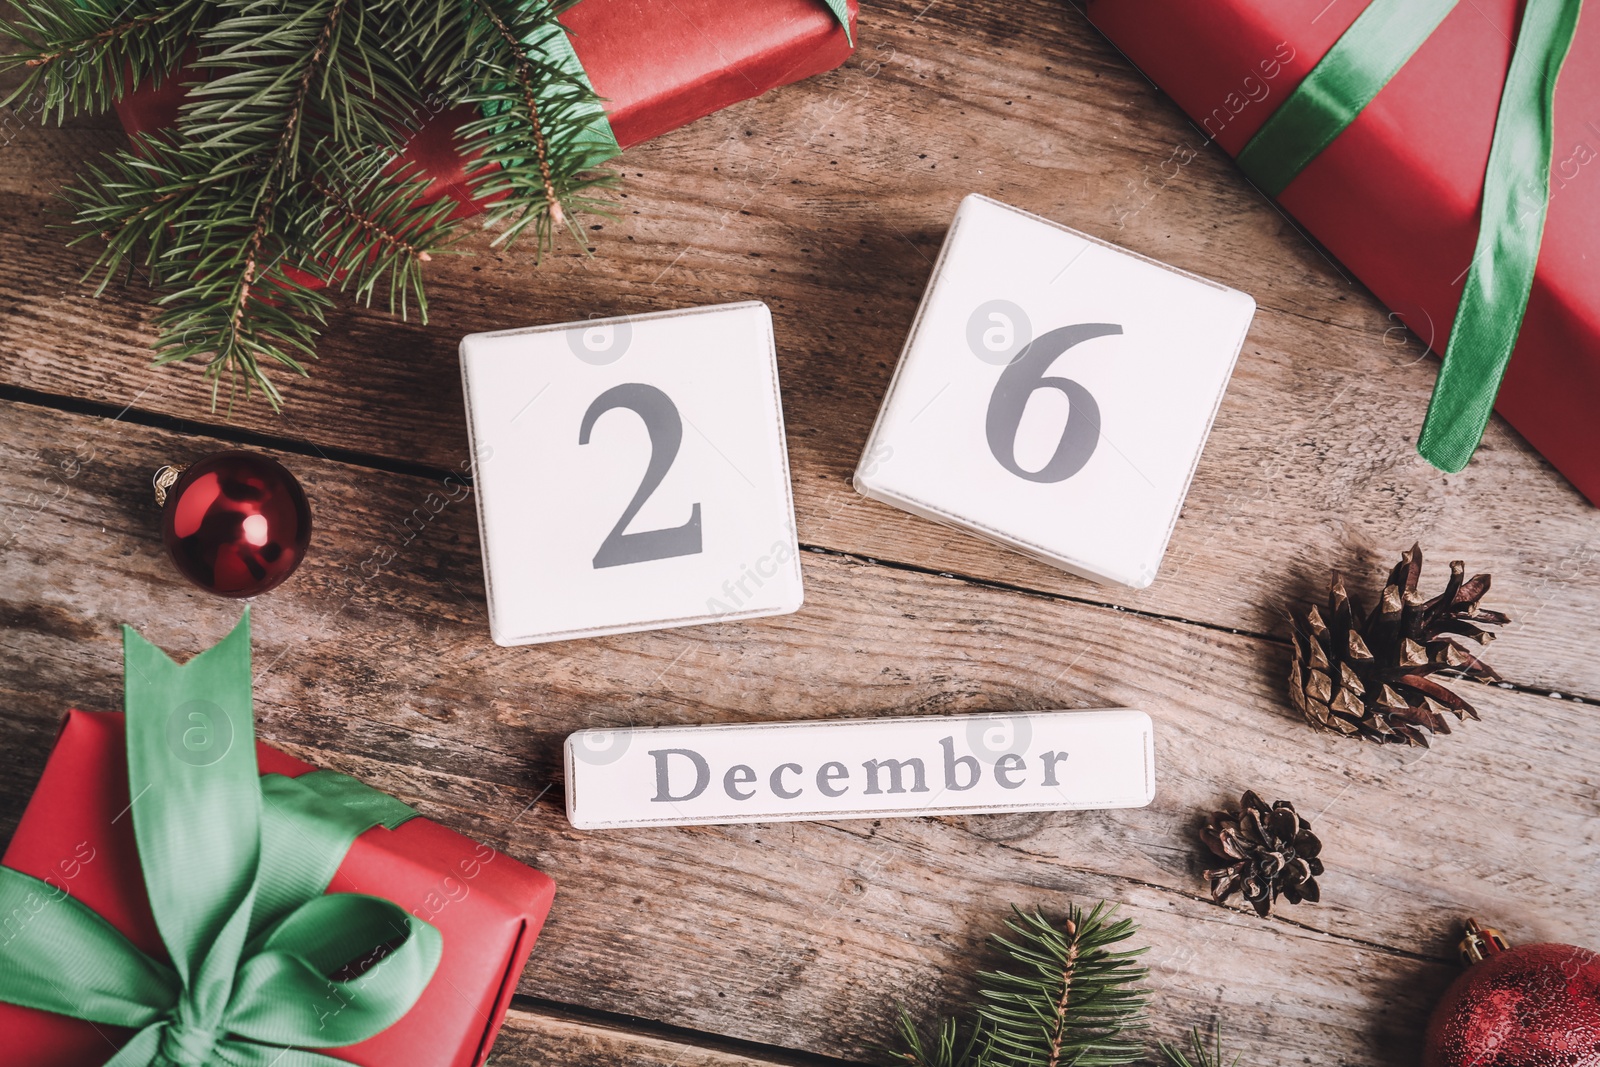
(76,835)
(661,64)
(656,64)
(1396,196)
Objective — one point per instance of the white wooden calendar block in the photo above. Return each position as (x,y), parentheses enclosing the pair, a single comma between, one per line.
(861,768)
(631,473)
(1055,394)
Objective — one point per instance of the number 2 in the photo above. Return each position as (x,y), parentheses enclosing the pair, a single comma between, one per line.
(1021,379)
(665,427)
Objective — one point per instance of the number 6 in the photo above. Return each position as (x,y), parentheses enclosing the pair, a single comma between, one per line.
(1021,379)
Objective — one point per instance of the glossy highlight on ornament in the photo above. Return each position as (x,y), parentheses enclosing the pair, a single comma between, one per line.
(236,523)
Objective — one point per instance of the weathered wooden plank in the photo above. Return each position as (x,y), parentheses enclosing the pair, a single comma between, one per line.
(829,200)
(537,1038)
(796,935)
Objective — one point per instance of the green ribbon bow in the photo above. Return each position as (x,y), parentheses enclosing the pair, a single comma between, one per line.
(236,867)
(1516,187)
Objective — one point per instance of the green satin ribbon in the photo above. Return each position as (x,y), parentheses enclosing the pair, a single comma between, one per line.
(1516,189)
(1516,196)
(236,867)
(1360,63)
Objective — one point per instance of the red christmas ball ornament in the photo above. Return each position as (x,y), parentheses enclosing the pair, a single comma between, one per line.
(1529,1006)
(235,523)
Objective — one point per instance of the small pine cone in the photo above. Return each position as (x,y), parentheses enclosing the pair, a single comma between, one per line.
(1372,674)
(1266,852)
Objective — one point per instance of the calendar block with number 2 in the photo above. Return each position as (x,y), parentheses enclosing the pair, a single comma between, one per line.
(1055,394)
(631,473)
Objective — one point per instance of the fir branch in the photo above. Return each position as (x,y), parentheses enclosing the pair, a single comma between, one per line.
(234,299)
(257,100)
(219,258)
(310,69)
(1072,995)
(532,158)
(945,1047)
(84,55)
(366,224)
(279,179)
(210,125)
(378,230)
(99,39)
(131,202)
(524,69)
(1067,997)
(1203,1056)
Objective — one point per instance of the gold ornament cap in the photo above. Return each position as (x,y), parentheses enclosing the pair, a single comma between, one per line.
(1480,942)
(163,480)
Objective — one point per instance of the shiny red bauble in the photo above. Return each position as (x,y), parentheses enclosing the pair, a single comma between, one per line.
(1528,1006)
(236,523)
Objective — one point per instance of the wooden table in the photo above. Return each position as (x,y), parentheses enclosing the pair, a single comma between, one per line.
(789,944)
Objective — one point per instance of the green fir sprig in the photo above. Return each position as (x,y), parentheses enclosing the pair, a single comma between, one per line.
(1203,1056)
(81,56)
(950,1044)
(280,180)
(1069,993)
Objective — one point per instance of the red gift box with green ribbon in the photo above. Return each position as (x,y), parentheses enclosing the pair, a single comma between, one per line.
(1448,153)
(177,895)
(597,77)
(656,65)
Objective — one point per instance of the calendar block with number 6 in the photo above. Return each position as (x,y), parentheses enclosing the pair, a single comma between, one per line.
(1055,394)
(631,473)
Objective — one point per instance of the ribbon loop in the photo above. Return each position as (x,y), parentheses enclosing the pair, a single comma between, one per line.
(58,955)
(286,997)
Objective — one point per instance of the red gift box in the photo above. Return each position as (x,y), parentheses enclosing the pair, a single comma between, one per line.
(656,64)
(76,836)
(1396,196)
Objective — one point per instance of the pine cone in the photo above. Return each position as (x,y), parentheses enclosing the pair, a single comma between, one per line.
(1267,852)
(1370,674)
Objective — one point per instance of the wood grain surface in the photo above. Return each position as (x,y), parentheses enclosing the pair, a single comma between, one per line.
(790,944)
